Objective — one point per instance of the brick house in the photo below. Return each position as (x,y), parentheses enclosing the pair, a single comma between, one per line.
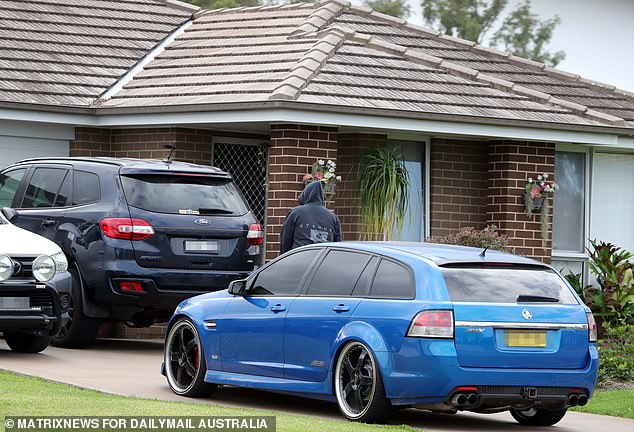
(263,92)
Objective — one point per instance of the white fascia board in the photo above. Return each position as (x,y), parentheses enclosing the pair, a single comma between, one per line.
(625,142)
(286,115)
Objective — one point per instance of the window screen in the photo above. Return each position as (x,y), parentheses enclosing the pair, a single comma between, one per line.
(283,277)
(392,281)
(338,273)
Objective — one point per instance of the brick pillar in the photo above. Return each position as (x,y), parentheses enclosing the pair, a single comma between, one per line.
(351,147)
(510,165)
(459,185)
(294,148)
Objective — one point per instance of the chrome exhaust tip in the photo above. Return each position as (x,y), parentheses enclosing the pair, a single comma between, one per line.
(582,400)
(472,399)
(573,400)
(459,400)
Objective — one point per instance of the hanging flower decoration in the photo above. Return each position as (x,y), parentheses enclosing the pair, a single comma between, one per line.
(325,172)
(536,194)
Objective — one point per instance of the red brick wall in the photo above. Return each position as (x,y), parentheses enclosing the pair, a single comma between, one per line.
(459,185)
(192,145)
(510,165)
(351,147)
(294,148)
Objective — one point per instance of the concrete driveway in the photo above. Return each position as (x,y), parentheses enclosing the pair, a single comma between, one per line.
(132,368)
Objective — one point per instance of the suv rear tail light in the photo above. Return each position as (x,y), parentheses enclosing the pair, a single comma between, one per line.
(255,237)
(126,228)
(592,327)
(433,324)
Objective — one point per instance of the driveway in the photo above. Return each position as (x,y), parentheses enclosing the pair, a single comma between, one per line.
(132,368)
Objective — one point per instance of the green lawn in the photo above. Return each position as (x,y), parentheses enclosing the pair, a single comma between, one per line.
(22,396)
(618,403)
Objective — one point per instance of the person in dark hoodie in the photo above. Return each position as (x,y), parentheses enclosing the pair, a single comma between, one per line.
(311,222)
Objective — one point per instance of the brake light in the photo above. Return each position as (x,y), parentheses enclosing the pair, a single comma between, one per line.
(592,327)
(131,286)
(126,228)
(255,236)
(432,323)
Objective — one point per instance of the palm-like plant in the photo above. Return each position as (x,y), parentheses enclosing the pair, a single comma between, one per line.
(384,192)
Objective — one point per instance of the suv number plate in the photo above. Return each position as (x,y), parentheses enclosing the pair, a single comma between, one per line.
(201,246)
(525,338)
(8,303)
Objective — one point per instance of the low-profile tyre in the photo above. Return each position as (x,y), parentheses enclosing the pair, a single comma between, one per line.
(359,385)
(26,343)
(538,417)
(184,361)
(80,330)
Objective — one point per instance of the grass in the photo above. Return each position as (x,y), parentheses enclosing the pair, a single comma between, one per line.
(30,396)
(617,403)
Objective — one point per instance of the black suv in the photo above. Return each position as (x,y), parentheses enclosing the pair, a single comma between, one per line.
(140,236)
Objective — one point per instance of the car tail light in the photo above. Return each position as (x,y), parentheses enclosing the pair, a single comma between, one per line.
(126,228)
(592,327)
(255,237)
(131,286)
(432,323)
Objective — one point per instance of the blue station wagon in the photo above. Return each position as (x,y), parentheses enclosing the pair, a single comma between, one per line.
(378,326)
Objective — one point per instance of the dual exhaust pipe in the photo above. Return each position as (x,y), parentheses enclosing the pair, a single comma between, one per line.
(574,400)
(465,400)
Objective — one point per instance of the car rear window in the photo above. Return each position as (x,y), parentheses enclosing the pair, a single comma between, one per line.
(489,284)
(184,194)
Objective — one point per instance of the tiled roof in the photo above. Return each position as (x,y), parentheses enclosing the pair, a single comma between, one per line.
(325,55)
(67,52)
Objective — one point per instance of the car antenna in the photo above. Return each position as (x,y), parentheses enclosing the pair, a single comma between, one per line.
(483,253)
(171,148)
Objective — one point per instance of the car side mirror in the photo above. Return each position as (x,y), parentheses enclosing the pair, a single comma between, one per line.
(10,214)
(238,287)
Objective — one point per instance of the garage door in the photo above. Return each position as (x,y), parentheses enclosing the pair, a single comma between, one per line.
(21,140)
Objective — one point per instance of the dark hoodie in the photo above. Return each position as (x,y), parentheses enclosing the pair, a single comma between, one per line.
(311,222)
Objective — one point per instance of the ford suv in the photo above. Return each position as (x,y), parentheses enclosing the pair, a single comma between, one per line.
(139,235)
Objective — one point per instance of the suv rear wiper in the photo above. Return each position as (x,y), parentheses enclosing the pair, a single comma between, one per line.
(525,298)
(204,211)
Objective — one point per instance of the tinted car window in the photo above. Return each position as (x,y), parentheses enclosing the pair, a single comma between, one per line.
(178,194)
(392,281)
(43,187)
(338,273)
(505,285)
(9,183)
(283,277)
(362,288)
(86,188)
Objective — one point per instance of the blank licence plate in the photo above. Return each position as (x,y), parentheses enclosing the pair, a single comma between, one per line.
(201,246)
(9,303)
(525,338)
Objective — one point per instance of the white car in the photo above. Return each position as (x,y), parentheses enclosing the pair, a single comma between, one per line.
(35,287)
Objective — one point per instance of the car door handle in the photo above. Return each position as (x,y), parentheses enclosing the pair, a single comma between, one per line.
(48,222)
(341,308)
(278,308)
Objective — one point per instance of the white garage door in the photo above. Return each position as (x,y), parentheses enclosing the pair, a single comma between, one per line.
(21,140)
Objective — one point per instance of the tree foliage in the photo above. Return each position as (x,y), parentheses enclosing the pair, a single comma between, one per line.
(521,32)
(396,8)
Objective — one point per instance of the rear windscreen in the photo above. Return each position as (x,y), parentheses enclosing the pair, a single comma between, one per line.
(506,285)
(184,194)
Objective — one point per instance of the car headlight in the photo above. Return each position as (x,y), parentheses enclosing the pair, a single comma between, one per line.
(44,268)
(6,267)
(61,263)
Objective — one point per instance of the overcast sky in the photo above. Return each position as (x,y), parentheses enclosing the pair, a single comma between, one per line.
(597,36)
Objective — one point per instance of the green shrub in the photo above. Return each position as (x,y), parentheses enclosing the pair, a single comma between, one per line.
(616,353)
(489,237)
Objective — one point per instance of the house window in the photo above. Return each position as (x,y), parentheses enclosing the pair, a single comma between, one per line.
(612,217)
(569,202)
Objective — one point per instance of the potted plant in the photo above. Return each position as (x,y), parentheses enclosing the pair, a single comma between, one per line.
(384,193)
(536,199)
(323,171)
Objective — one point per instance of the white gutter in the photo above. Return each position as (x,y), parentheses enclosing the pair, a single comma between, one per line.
(220,119)
(158,49)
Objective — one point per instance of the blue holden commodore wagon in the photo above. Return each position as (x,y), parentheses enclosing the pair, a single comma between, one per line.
(378,326)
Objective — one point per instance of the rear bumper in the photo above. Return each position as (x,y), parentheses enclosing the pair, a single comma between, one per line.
(427,371)
(49,302)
